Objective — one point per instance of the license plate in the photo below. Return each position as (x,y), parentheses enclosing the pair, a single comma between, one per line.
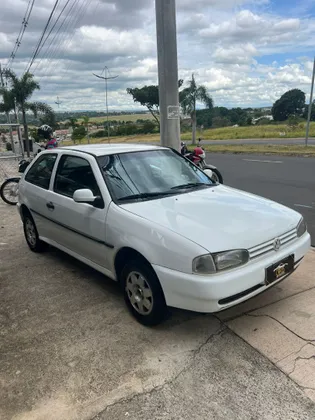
(279,270)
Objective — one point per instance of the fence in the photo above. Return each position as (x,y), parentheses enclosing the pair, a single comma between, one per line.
(9,165)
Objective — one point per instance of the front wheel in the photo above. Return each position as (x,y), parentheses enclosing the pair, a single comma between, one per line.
(216,175)
(9,191)
(143,293)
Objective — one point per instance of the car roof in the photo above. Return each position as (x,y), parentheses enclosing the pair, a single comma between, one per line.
(110,149)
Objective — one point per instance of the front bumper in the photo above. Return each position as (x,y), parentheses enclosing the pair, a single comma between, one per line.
(216,292)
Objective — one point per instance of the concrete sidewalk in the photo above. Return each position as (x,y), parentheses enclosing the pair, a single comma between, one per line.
(280,324)
(69,350)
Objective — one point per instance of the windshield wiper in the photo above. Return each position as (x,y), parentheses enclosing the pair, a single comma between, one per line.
(145,195)
(191,185)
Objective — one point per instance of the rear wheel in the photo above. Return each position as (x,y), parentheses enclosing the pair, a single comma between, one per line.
(31,235)
(143,293)
(9,191)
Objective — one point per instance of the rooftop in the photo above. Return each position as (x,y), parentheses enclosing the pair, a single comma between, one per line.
(110,149)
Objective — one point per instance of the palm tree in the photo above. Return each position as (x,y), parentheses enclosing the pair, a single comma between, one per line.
(189,97)
(6,106)
(72,122)
(23,88)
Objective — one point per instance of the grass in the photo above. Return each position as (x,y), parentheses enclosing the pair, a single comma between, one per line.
(127,117)
(276,149)
(270,149)
(272,131)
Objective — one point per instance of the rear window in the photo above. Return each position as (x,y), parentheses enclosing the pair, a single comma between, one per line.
(40,172)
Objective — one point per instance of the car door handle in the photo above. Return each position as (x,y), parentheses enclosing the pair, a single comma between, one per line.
(50,206)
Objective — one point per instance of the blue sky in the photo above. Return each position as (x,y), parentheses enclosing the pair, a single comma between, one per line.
(246,52)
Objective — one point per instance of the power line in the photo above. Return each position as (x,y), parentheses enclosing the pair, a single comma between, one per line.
(42,36)
(22,30)
(58,43)
(71,24)
(80,14)
(53,27)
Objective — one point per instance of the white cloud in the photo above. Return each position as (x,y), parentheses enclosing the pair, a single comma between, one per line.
(223,42)
(236,54)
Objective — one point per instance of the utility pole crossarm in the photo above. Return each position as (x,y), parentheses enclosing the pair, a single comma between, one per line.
(106,78)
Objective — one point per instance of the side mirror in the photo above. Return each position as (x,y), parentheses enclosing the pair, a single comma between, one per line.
(86,196)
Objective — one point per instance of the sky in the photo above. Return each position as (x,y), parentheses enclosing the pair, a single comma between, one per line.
(246,52)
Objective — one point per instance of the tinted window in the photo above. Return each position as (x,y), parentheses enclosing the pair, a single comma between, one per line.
(74,173)
(40,173)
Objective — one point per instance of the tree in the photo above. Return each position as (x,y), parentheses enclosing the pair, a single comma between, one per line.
(188,99)
(22,89)
(85,123)
(238,116)
(305,115)
(7,105)
(204,117)
(290,103)
(218,122)
(72,123)
(78,133)
(148,96)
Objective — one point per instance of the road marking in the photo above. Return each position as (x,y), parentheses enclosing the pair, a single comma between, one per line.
(303,205)
(263,161)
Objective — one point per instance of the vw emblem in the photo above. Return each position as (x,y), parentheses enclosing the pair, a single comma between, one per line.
(276,244)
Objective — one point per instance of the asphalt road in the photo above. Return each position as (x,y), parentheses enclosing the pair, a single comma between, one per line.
(299,141)
(287,180)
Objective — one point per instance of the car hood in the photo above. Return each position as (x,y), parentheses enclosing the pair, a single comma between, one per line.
(219,218)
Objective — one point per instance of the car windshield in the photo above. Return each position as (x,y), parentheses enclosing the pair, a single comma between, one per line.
(150,174)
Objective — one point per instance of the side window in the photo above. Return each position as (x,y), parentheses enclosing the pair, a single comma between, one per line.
(74,173)
(40,173)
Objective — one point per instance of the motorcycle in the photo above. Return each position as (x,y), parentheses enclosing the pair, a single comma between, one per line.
(9,190)
(198,157)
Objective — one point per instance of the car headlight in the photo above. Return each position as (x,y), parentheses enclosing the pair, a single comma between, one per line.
(209,264)
(301,228)
(204,265)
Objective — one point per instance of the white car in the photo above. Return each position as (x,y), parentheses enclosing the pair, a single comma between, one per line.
(151,220)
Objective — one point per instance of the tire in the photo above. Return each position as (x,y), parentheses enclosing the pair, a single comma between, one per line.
(143,294)
(31,235)
(217,177)
(9,191)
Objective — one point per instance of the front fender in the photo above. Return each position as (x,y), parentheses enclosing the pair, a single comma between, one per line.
(208,166)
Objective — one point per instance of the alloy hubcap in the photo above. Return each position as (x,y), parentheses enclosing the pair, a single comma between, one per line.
(215,177)
(11,191)
(139,293)
(30,232)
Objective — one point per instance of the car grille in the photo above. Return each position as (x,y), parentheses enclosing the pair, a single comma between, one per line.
(268,246)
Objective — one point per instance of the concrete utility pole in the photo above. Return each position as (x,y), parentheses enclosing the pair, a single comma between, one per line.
(7,114)
(310,107)
(168,73)
(106,78)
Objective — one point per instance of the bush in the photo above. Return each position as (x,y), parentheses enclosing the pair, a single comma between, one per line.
(293,121)
(263,121)
(148,127)
(99,134)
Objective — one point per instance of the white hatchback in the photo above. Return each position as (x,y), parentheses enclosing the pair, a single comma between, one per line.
(150,219)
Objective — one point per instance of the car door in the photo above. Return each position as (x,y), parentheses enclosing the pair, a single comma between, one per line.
(34,191)
(79,227)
